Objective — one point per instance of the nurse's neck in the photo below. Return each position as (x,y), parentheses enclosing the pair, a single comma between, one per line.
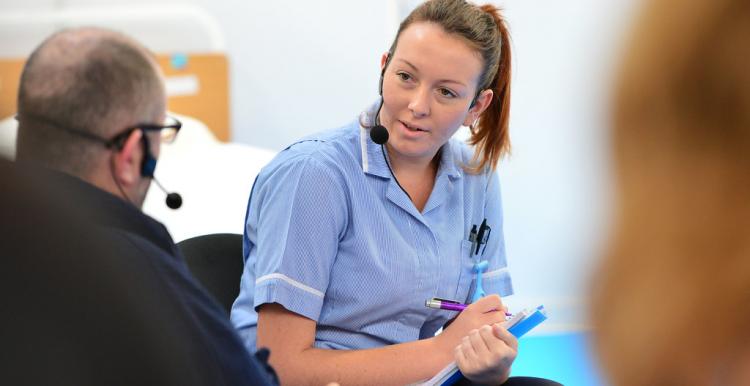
(413,166)
(415,175)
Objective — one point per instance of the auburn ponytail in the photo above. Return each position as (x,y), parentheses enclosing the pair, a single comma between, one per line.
(490,135)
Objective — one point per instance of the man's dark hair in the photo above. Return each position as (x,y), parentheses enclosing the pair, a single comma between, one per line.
(90,80)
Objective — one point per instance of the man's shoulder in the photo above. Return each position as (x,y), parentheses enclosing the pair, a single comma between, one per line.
(188,307)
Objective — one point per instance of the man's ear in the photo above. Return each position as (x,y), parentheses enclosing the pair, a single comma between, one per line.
(483,101)
(128,160)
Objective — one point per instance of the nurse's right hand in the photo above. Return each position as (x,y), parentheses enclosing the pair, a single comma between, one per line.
(485,311)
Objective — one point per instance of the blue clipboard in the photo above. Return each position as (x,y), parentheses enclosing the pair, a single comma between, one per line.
(518,325)
(528,322)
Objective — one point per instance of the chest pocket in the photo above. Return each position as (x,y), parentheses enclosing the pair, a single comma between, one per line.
(466,268)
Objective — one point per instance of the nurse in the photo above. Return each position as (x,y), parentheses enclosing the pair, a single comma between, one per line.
(346,238)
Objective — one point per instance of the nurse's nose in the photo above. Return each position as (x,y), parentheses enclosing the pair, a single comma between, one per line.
(420,103)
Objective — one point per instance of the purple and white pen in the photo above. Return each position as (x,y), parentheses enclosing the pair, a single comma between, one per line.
(449,305)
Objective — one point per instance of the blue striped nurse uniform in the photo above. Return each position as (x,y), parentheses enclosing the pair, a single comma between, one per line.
(329,235)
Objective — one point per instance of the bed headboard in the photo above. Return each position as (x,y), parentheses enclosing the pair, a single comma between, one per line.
(197,85)
(188,43)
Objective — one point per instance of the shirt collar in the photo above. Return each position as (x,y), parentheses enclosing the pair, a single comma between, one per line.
(449,153)
(107,210)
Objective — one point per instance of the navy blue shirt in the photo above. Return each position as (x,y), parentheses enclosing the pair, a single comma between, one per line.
(217,353)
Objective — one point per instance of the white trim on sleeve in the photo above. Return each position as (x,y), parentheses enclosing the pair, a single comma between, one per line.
(497,272)
(289,281)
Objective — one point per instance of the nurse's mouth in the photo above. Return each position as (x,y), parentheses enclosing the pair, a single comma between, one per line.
(413,128)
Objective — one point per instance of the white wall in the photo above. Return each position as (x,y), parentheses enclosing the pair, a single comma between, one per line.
(556,182)
(300,66)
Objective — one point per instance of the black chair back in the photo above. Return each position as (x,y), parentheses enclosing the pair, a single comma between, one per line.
(216,262)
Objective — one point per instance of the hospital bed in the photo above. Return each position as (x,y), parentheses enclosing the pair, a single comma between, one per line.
(213,175)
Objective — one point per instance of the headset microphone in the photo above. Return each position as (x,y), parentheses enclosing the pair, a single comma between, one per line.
(379,134)
(148,166)
(174,200)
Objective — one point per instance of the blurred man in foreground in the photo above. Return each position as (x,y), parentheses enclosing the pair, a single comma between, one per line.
(92,116)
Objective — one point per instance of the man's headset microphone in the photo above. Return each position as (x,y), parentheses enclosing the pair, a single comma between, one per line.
(148,166)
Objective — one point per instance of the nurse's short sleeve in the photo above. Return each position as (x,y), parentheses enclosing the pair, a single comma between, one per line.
(496,280)
(302,211)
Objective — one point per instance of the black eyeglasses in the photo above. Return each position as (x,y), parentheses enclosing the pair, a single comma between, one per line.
(167,131)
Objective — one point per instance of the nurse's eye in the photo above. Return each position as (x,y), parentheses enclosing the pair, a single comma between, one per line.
(447,92)
(405,77)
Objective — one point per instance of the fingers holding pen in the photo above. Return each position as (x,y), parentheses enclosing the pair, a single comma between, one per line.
(489,303)
(490,310)
(485,311)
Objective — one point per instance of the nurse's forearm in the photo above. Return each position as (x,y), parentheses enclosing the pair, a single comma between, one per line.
(398,364)
(290,338)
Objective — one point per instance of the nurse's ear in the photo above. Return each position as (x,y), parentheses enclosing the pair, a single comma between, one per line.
(384,60)
(481,103)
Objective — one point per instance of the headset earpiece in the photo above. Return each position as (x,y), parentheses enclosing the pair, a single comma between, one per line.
(148,164)
(476,97)
(380,87)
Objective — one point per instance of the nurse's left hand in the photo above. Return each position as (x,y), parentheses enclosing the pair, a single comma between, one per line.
(486,355)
